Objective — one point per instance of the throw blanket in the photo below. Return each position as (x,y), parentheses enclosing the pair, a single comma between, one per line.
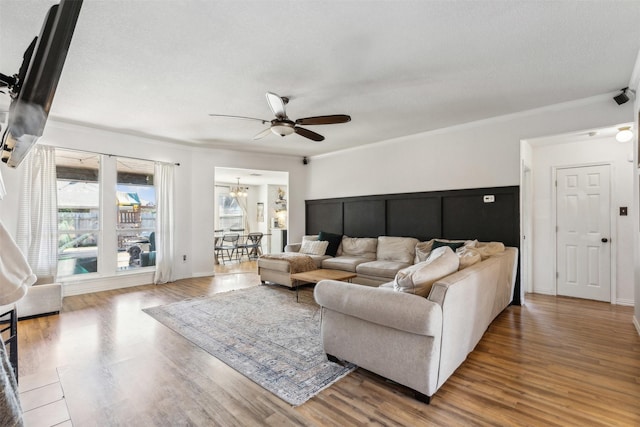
(298,263)
(10,412)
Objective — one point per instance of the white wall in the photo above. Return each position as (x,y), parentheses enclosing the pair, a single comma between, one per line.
(475,155)
(194,192)
(589,151)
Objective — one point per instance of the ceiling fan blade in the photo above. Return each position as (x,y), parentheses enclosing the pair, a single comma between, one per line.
(277,105)
(240,117)
(262,134)
(308,134)
(324,120)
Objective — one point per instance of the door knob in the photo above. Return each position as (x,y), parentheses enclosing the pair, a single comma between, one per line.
(604,240)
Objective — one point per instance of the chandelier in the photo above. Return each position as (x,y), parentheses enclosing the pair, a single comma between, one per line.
(238,191)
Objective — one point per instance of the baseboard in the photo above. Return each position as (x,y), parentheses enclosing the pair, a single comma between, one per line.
(628,302)
(636,324)
(544,291)
(204,274)
(99,284)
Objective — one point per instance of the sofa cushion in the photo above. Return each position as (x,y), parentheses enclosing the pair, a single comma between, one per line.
(488,249)
(423,249)
(282,265)
(468,256)
(388,286)
(381,268)
(399,249)
(334,242)
(273,264)
(318,259)
(313,247)
(419,278)
(362,247)
(344,263)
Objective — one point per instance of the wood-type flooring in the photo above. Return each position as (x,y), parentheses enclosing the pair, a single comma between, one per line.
(551,362)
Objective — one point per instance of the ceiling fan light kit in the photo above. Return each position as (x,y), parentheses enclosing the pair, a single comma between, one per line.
(283,126)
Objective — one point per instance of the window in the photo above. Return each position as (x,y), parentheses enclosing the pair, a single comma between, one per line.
(230,213)
(78,212)
(106,213)
(136,214)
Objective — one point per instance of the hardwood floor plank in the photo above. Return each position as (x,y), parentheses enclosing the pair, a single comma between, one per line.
(552,362)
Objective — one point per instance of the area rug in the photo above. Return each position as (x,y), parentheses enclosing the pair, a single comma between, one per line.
(262,333)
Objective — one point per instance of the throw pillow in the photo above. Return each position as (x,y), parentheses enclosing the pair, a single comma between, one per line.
(452,245)
(317,247)
(419,278)
(334,242)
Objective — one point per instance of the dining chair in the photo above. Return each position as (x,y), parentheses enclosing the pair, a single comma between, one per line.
(217,238)
(251,246)
(227,245)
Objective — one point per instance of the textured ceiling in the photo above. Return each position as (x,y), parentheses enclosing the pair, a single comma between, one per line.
(158,68)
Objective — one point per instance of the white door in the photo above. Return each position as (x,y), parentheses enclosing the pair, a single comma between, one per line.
(583,255)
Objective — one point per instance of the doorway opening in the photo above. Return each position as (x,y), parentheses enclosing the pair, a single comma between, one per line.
(550,258)
(250,201)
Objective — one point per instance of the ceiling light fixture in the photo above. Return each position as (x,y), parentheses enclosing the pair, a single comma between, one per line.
(282,128)
(238,191)
(623,98)
(624,134)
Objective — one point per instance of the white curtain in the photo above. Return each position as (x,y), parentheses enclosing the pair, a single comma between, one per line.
(242,202)
(163,178)
(37,235)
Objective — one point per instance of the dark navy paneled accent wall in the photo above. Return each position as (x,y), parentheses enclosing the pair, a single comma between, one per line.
(486,214)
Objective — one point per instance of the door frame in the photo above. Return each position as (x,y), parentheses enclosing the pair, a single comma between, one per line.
(613,238)
(526,229)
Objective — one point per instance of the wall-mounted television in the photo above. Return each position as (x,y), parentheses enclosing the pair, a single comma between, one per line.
(32,89)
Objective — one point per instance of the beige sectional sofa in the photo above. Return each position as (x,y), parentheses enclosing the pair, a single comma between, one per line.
(414,340)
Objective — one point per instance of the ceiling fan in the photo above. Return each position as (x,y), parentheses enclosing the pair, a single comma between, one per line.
(284,126)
